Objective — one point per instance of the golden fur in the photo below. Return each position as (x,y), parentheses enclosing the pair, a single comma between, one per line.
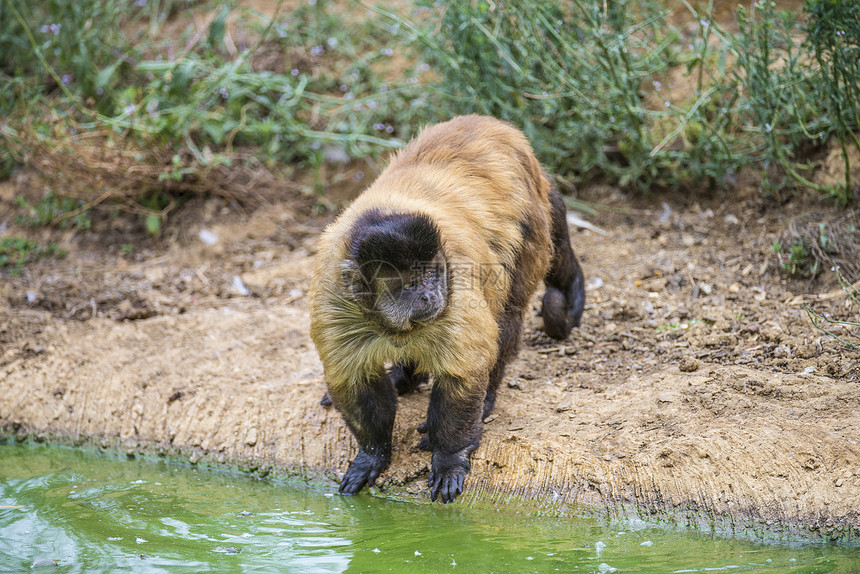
(477,178)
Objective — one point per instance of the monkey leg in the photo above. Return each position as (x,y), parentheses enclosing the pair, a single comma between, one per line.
(453,433)
(405,378)
(565,287)
(510,326)
(369,413)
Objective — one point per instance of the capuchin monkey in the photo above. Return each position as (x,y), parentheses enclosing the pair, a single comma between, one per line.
(430,270)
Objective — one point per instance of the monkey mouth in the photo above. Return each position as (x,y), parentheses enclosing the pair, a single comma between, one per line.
(419,319)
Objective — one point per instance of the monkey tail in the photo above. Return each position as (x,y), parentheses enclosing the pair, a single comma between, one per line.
(564,299)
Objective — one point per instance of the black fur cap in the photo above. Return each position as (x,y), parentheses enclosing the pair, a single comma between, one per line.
(397,239)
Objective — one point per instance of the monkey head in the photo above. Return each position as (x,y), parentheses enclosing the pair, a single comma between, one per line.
(396,270)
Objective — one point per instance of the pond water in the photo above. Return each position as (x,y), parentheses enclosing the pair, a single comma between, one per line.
(68,510)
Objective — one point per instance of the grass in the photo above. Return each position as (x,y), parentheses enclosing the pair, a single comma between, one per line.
(812,244)
(845,331)
(590,82)
(54,210)
(140,120)
(118,106)
(15,252)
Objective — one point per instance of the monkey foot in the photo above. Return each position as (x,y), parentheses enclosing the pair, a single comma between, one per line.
(448,471)
(363,470)
(405,379)
(557,321)
(424,443)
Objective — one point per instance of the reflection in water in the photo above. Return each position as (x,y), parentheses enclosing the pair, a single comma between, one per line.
(90,512)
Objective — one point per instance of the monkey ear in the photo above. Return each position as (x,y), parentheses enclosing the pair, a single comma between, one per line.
(353,280)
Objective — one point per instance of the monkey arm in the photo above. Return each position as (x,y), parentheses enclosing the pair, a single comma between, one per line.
(454,432)
(368,408)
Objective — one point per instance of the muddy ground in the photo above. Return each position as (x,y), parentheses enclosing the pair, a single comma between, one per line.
(697,391)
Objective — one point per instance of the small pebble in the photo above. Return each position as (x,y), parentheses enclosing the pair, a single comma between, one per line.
(688,365)
(208,237)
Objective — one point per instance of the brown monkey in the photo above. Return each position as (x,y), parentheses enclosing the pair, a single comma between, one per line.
(430,270)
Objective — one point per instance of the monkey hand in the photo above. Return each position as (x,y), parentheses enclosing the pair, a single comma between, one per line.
(364,469)
(447,473)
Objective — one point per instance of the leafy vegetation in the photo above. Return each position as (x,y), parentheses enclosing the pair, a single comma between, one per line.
(592,83)
(845,331)
(811,244)
(53,209)
(16,251)
(111,111)
(117,105)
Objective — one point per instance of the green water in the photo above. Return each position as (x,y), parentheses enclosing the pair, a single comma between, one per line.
(92,513)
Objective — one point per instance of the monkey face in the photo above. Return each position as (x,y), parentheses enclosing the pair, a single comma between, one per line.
(396,270)
(414,296)
(399,299)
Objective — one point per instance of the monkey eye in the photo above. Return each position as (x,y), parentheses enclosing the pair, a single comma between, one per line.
(429,274)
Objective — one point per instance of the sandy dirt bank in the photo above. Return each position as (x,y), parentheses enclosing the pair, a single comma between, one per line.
(696,391)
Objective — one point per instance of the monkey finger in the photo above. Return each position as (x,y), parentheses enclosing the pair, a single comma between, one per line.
(351,485)
(424,443)
(364,470)
(325,400)
(422,428)
(448,485)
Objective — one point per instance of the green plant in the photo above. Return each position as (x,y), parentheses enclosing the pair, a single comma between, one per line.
(165,121)
(569,75)
(849,329)
(796,260)
(775,100)
(15,252)
(816,245)
(53,209)
(589,83)
(77,46)
(833,35)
